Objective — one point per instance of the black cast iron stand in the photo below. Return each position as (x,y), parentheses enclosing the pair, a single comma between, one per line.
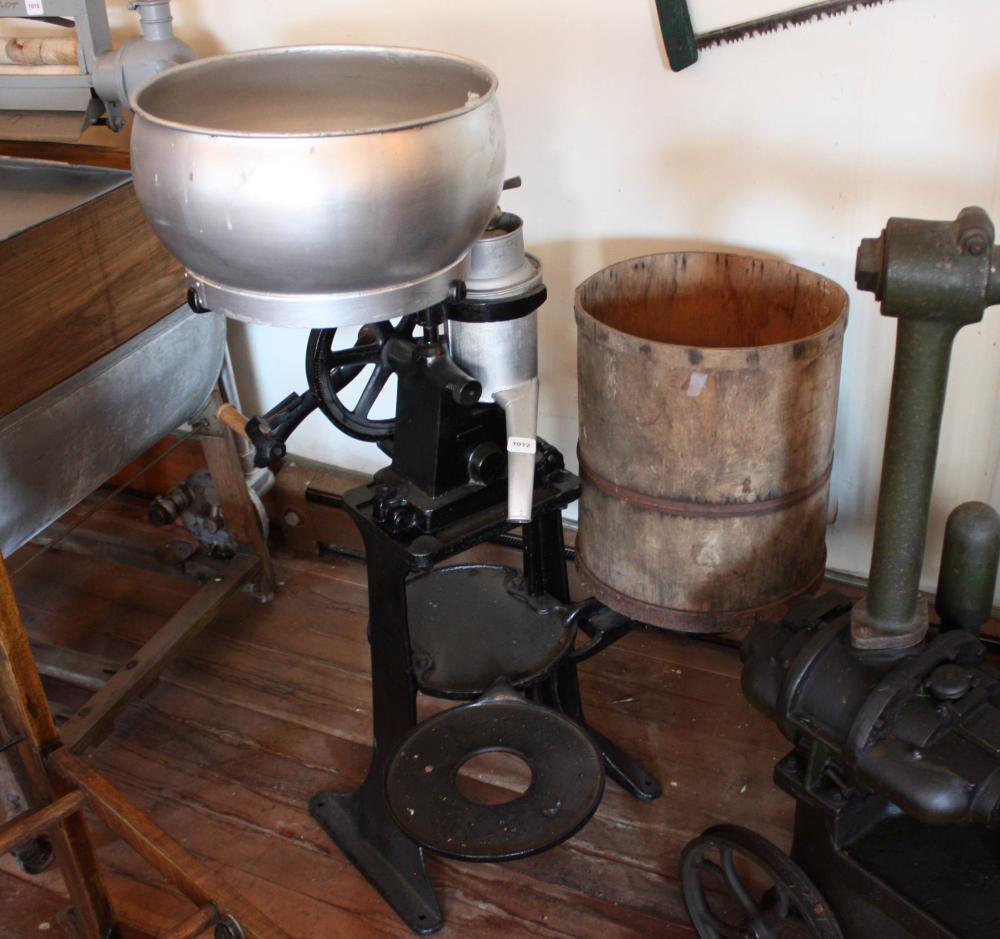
(360,822)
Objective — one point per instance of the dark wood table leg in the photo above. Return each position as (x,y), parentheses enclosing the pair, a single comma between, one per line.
(238,509)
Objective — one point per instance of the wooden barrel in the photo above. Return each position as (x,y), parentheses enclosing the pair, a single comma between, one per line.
(708,398)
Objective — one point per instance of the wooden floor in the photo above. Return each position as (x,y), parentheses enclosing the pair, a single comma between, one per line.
(271,704)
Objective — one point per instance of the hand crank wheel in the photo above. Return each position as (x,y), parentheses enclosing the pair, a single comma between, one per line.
(789,905)
(330,370)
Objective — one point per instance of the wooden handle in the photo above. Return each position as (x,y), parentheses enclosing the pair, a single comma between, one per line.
(679,39)
(233,419)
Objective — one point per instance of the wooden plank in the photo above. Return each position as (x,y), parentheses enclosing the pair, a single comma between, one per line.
(238,510)
(261,836)
(127,551)
(94,721)
(29,909)
(307,525)
(80,154)
(27,826)
(75,668)
(192,877)
(180,464)
(98,274)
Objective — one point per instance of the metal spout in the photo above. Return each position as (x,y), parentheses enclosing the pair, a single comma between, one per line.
(520,408)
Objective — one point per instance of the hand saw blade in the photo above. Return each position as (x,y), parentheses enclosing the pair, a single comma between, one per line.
(779,21)
(683,45)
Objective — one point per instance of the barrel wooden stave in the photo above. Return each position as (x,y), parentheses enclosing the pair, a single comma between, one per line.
(706,467)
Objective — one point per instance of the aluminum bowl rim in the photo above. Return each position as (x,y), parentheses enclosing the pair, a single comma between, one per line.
(408,51)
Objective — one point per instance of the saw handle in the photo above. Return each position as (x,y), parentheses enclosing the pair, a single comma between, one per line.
(677,32)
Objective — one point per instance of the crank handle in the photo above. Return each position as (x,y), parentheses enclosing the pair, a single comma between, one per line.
(268,432)
(233,419)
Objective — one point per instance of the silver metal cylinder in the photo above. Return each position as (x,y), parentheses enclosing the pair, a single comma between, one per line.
(498,352)
(498,355)
(499,267)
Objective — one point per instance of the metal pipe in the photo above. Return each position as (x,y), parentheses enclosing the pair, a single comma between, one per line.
(919,382)
(934,278)
(154,19)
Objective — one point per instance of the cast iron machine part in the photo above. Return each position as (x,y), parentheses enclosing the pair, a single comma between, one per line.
(466,467)
(99,92)
(896,725)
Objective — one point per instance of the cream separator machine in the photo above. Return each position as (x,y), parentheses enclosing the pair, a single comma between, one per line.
(331,187)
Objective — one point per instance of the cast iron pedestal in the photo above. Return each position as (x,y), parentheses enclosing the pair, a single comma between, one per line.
(361,822)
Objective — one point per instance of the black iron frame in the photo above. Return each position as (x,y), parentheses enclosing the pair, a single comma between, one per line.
(360,822)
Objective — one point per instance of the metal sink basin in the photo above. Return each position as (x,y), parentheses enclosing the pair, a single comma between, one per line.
(320,185)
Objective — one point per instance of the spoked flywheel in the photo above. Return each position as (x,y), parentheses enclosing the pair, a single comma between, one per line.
(330,370)
(737,885)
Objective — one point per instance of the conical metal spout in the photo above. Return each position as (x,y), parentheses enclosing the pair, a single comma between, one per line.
(520,408)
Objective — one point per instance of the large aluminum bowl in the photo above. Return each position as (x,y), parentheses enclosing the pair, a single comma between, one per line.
(320,185)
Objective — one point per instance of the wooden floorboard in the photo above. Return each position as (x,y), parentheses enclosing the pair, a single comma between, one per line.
(271,703)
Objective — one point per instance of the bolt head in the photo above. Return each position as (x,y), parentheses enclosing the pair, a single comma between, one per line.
(868,272)
(400,518)
(975,244)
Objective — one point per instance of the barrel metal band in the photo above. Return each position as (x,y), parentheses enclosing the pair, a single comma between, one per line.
(682,508)
(692,621)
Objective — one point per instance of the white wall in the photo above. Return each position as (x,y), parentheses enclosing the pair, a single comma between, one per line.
(794,145)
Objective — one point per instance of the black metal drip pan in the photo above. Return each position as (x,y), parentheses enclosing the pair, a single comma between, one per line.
(474,624)
(567,780)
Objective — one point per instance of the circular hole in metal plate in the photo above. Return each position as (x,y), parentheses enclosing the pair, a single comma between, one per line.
(494,777)
(567,779)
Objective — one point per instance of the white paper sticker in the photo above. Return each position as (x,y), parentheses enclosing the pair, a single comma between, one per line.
(34,7)
(521,445)
(696,383)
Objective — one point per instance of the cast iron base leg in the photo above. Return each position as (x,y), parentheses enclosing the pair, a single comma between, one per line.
(360,825)
(545,568)
(562,691)
(360,822)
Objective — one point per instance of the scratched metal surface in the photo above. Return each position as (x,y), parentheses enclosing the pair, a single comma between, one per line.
(34,191)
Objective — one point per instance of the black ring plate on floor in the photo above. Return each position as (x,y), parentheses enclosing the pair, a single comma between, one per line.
(567,779)
(472,624)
